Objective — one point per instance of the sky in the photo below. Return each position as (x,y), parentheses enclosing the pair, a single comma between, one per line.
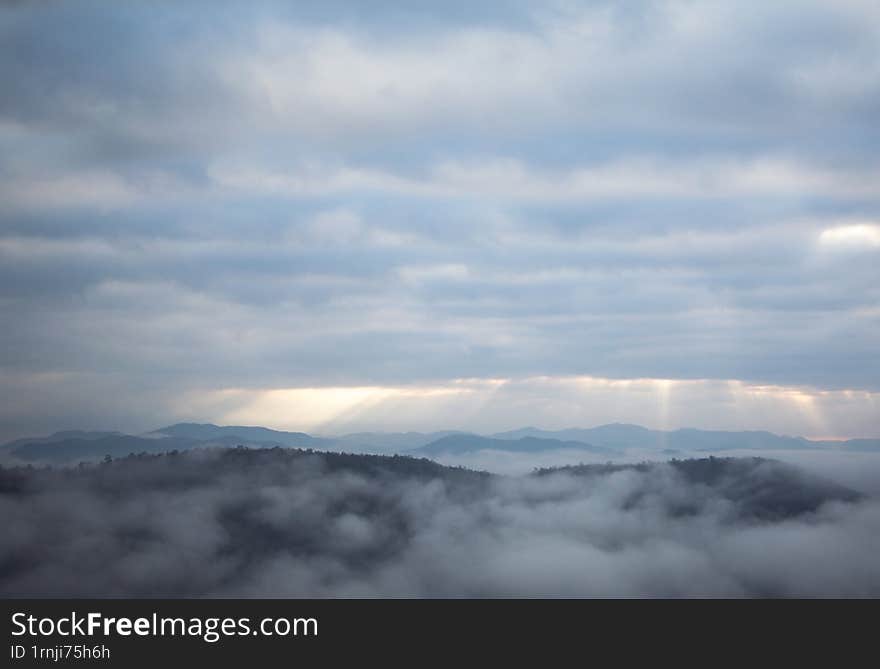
(324,217)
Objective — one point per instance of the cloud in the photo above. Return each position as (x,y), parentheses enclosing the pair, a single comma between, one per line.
(857,470)
(511,180)
(217,198)
(175,82)
(287,525)
(854,236)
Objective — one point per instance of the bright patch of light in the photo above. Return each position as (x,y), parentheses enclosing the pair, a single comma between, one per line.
(857,235)
(550,402)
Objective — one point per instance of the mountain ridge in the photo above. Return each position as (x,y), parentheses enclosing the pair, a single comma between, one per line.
(608,439)
(627,435)
(455,444)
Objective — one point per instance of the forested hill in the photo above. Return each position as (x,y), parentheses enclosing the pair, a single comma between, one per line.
(756,487)
(195,467)
(761,486)
(293,522)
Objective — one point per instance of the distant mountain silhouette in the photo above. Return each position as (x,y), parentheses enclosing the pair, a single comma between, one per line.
(73,450)
(621,436)
(64,435)
(74,445)
(469,443)
(860,445)
(388,442)
(615,436)
(242,434)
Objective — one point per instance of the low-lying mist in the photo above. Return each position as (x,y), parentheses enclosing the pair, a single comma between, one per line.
(858,470)
(278,523)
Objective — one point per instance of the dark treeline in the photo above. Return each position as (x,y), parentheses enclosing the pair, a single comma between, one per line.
(760,487)
(184,469)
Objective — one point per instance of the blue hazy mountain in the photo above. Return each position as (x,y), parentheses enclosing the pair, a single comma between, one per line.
(469,443)
(64,435)
(388,442)
(246,435)
(615,436)
(75,445)
(621,436)
(859,445)
(71,450)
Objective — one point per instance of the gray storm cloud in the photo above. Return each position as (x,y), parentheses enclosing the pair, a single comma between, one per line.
(276,523)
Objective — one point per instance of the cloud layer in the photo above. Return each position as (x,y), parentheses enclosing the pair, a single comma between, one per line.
(275,523)
(214,199)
